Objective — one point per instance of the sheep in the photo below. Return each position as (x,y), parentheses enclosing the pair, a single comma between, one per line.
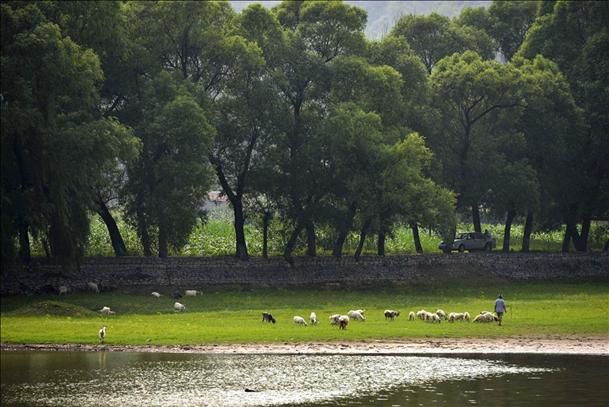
(343,321)
(391,314)
(93,287)
(433,318)
(458,316)
(102,334)
(176,295)
(441,314)
(63,290)
(334,319)
(106,311)
(356,315)
(300,321)
(267,317)
(361,311)
(486,317)
(313,318)
(411,316)
(179,307)
(191,293)
(421,314)
(155,294)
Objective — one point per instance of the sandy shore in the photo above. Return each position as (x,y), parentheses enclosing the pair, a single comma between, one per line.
(576,345)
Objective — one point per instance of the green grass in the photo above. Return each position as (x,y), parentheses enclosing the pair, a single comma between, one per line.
(537,309)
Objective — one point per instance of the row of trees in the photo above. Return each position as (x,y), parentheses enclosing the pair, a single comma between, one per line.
(143,106)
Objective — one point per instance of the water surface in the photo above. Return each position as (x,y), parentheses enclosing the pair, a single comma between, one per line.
(165,379)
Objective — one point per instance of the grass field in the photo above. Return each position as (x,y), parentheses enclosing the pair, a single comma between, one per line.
(535,309)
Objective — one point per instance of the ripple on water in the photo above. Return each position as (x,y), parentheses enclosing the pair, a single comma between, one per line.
(221,380)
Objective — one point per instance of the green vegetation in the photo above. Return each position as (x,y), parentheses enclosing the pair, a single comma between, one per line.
(535,309)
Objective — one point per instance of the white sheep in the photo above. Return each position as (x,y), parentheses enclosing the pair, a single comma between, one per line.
(458,316)
(63,290)
(422,314)
(433,318)
(441,314)
(485,317)
(93,287)
(179,307)
(334,319)
(102,334)
(106,311)
(357,315)
(313,318)
(343,321)
(411,316)
(155,294)
(191,293)
(391,314)
(466,316)
(300,321)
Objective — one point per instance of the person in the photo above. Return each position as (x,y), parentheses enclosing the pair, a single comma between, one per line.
(500,308)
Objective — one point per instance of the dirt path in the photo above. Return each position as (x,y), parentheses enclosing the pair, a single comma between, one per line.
(580,345)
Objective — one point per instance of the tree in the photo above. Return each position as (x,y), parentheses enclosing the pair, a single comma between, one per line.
(434,37)
(470,93)
(576,37)
(55,144)
(170,179)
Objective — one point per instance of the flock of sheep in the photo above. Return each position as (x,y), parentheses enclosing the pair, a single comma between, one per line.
(359,315)
(342,321)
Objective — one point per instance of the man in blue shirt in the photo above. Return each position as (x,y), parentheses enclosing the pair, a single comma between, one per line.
(500,308)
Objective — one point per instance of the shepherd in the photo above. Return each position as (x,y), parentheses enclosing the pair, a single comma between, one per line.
(500,308)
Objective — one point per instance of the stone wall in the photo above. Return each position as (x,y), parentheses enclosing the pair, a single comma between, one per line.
(138,273)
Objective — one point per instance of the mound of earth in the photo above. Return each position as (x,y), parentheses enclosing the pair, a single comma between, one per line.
(55,308)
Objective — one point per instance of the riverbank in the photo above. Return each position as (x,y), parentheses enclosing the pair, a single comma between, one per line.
(568,345)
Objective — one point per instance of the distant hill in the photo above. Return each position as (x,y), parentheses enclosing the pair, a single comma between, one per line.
(382,15)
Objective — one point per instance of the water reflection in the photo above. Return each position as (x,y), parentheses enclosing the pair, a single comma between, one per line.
(133,379)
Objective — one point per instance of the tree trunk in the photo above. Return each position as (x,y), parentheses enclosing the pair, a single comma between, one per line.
(240,243)
(508,229)
(311,241)
(416,238)
(566,240)
(118,244)
(25,253)
(289,247)
(476,217)
(142,230)
(582,244)
(344,232)
(163,242)
(606,248)
(265,234)
(362,238)
(380,243)
(528,229)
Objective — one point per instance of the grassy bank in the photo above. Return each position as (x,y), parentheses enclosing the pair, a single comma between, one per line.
(536,309)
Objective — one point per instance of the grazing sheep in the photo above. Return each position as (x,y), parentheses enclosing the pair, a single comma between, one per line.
(102,334)
(179,307)
(433,318)
(106,311)
(411,316)
(441,314)
(63,290)
(300,321)
(343,321)
(155,294)
(391,314)
(93,287)
(191,293)
(357,315)
(313,318)
(267,317)
(334,319)
(458,316)
(486,317)
(421,314)
(361,311)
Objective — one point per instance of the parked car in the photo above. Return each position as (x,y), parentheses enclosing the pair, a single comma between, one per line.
(471,241)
